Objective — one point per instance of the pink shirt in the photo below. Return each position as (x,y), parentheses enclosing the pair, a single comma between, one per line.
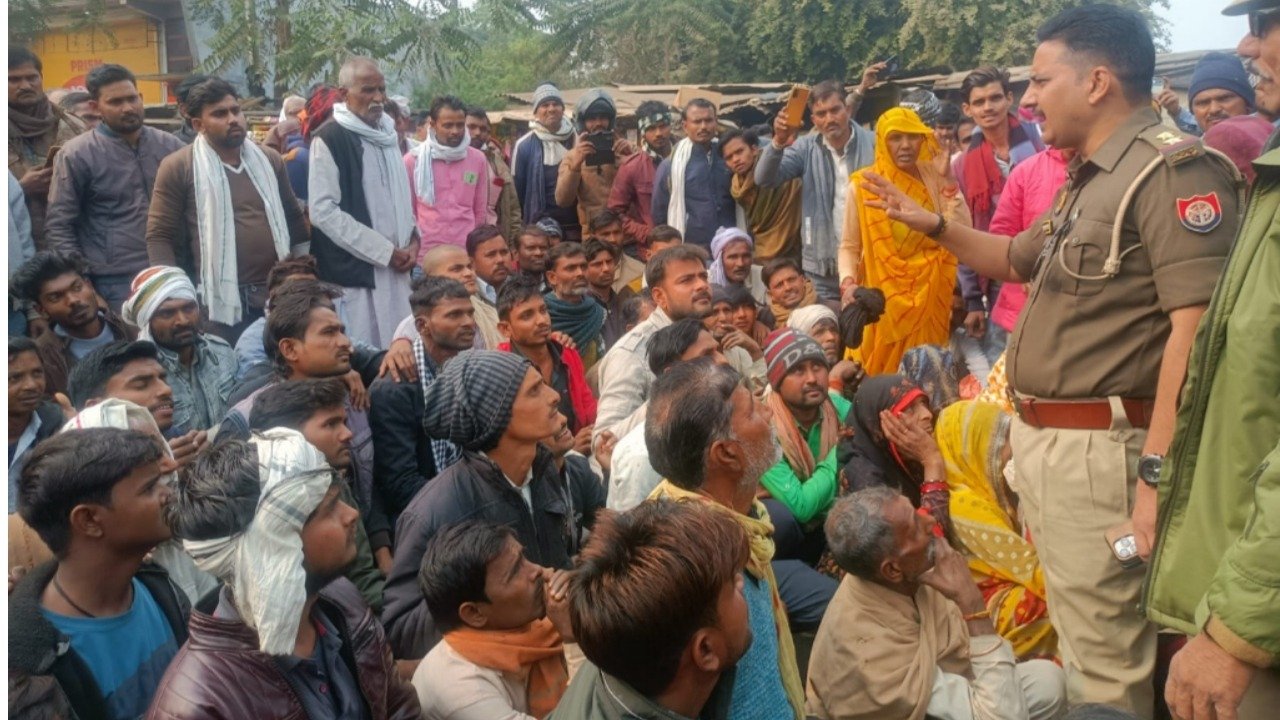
(1028,193)
(462,200)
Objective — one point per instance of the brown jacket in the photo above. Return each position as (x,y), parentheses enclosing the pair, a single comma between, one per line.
(25,156)
(220,672)
(55,352)
(173,230)
(588,187)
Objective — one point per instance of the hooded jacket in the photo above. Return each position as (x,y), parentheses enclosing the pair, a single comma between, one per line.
(588,186)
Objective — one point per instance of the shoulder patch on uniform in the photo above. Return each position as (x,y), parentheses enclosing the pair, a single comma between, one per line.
(1200,213)
(1175,147)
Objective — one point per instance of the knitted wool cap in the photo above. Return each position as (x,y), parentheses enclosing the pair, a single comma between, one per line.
(784,349)
(546,92)
(471,400)
(1220,71)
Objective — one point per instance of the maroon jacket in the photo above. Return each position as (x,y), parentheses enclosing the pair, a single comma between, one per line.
(220,673)
(632,194)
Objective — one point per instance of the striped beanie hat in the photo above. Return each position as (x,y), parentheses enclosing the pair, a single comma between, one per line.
(784,349)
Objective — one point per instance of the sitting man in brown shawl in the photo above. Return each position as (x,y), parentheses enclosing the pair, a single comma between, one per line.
(908,634)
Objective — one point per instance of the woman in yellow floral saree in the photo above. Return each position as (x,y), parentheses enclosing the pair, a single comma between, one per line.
(974,437)
(915,273)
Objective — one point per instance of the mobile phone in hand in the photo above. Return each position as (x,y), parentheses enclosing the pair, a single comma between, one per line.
(603,143)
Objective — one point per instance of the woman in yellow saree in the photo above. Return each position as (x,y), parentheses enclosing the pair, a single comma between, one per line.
(974,440)
(916,274)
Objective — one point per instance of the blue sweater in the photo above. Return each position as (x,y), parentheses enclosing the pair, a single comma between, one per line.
(708,203)
(757,686)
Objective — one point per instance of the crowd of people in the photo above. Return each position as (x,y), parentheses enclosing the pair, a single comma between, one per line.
(385,418)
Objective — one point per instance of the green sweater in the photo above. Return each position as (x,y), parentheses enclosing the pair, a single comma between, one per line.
(808,499)
(1218,532)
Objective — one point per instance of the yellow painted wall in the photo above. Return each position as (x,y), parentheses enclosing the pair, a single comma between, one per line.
(69,56)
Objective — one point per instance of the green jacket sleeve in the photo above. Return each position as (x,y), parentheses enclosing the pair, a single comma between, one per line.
(808,499)
(1245,592)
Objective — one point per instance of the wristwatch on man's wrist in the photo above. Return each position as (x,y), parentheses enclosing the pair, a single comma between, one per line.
(1149,469)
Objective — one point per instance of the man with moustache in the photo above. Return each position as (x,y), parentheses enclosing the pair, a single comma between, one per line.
(632,194)
(102,184)
(449,178)
(491,261)
(504,205)
(216,178)
(573,308)
(1219,89)
(691,188)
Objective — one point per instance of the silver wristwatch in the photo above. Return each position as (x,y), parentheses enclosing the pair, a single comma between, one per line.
(1149,469)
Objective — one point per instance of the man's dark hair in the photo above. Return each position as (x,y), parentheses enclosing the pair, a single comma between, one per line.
(217,496)
(631,308)
(656,270)
(481,235)
(290,315)
(826,89)
(983,77)
(603,219)
(19,56)
(652,107)
(291,403)
(531,230)
(19,344)
(183,90)
(107,74)
(647,580)
(434,290)
(859,536)
(515,291)
(747,136)
(701,103)
(42,267)
(564,250)
(773,266)
(454,567)
(663,233)
(1109,35)
(301,265)
(476,111)
(74,98)
(440,102)
(594,247)
(949,115)
(90,376)
(689,409)
(74,468)
(209,92)
(670,343)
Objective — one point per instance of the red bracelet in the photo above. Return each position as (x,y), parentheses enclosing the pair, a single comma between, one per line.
(933,487)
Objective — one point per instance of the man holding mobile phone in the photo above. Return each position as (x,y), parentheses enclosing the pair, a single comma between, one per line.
(587,173)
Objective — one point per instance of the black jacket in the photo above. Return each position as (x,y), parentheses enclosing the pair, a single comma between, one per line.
(336,265)
(41,656)
(475,488)
(402,459)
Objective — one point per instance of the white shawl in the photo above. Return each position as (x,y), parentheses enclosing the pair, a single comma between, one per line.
(424,179)
(676,211)
(384,138)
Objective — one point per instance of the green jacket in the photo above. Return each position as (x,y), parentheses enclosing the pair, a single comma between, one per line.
(1216,564)
(811,498)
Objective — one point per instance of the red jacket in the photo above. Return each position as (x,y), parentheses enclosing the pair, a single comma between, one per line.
(220,673)
(632,194)
(580,396)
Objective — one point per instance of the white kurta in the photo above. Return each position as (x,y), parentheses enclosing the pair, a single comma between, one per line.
(372,313)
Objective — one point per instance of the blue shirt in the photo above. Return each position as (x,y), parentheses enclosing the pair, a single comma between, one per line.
(757,685)
(17,457)
(708,203)
(127,654)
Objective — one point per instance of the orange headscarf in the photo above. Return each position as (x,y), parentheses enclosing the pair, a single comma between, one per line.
(916,274)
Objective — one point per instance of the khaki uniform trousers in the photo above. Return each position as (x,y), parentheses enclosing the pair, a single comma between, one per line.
(1073,486)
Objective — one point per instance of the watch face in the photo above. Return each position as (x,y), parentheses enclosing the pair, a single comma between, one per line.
(1149,470)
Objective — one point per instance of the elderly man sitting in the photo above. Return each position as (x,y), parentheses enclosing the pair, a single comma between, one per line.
(201,367)
(908,634)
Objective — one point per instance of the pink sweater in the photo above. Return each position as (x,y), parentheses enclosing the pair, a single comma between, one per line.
(462,200)
(1028,193)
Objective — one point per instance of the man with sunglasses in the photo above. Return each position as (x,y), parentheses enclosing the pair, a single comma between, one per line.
(1213,572)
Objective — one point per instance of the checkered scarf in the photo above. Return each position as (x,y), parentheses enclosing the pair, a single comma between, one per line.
(443,452)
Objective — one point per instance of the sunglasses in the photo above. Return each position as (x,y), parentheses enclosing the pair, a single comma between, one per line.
(1258,21)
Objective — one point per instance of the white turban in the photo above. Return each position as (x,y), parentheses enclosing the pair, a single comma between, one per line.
(124,415)
(150,289)
(805,319)
(263,563)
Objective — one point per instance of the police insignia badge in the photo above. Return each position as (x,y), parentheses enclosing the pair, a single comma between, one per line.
(1200,213)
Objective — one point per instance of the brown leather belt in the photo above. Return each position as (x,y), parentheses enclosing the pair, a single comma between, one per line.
(1080,414)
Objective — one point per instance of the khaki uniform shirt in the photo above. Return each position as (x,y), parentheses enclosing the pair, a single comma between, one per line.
(1099,337)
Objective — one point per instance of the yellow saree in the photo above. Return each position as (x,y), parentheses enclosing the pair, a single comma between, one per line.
(915,273)
(971,436)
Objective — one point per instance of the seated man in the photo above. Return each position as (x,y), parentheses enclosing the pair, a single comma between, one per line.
(250,351)
(807,418)
(491,260)
(908,633)
(573,309)
(656,602)
(404,457)
(201,368)
(32,418)
(497,408)
(524,318)
(602,270)
(732,263)
(606,227)
(91,633)
(788,288)
(290,636)
(712,441)
(821,323)
(317,408)
(504,631)
(662,237)
(58,288)
(531,248)
(733,308)
(443,261)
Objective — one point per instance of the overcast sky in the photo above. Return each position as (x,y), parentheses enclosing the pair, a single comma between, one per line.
(1200,25)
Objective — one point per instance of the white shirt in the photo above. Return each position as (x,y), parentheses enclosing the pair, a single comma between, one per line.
(450,687)
(631,476)
(840,188)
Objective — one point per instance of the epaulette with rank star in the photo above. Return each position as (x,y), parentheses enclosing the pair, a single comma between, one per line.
(1175,147)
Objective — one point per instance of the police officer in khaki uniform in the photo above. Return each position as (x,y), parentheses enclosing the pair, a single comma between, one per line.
(1101,349)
